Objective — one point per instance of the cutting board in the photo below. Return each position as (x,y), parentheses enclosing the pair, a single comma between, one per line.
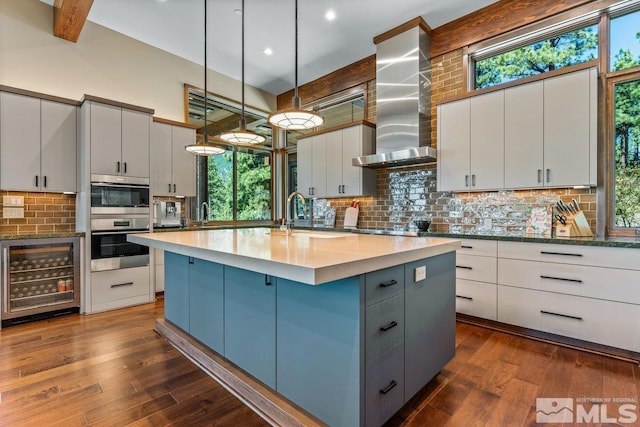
(351,218)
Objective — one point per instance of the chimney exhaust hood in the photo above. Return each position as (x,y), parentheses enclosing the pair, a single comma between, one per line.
(403,101)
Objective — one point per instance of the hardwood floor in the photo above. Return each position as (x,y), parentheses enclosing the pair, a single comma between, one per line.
(112,369)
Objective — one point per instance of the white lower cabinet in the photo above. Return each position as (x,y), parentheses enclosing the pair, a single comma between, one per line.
(476,298)
(119,288)
(476,275)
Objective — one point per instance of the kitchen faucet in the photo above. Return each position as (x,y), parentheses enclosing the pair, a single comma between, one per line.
(204,211)
(287,220)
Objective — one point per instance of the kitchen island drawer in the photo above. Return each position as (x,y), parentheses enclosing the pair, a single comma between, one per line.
(594,282)
(598,256)
(384,326)
(477,299)
(114,285)
(479,247)
(384,284)
(479,268)
(605,322)
(384,386)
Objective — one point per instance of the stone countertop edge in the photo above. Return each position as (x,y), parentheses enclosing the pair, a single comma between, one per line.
(312,275)
(40,236)
(612,242)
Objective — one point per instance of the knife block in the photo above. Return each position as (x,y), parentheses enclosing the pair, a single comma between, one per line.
(577,226)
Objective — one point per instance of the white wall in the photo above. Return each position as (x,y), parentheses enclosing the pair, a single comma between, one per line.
(102,63)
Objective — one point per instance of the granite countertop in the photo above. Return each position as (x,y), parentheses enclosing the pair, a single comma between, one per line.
(307,256)
(41,235)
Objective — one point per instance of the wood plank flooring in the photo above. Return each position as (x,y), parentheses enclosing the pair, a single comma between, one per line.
(112,369)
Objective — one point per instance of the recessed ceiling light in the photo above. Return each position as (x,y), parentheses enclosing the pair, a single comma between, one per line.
(267,51)
(330,15)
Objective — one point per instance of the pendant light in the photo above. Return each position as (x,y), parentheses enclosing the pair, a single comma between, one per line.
(295,118)
(205,148)
(242,135)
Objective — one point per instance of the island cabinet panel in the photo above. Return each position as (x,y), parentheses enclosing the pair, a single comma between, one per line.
(384,386)
(176,289)
(250,322)
(430,320)
(206,303)
(320,360)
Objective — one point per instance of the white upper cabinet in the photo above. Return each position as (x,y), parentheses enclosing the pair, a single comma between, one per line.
(119,141)
(538,134)
(568,115)
(454,149)
(523,143)
(38,144)
(172,167)
(487,142)
(325,163)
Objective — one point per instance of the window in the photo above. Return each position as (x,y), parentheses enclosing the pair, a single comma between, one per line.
(550,53)
(624,49)
(239,182)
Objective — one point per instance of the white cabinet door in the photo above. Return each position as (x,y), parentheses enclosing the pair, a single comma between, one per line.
(20,142)
(567,124)
(106,139)
(524,137)
(184,163)
(352,146)
(135,143)
(305,166)
(59,146)
(454,136)
(334,167)
(487,141)
(319,169)
(160,160)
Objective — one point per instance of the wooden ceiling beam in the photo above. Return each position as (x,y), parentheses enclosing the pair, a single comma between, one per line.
(69,17)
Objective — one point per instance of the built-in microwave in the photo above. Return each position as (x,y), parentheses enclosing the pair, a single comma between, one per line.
(119,195)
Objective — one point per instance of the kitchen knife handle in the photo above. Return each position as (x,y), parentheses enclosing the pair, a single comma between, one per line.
(174,188)
(388,388)
(169,188)
(118,167)
(391,325)
(473,180)
(389,283)
(466,180)
(539,175)
(548,175)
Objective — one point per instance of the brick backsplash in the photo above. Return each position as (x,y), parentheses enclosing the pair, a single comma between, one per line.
(404,194)
(44,213)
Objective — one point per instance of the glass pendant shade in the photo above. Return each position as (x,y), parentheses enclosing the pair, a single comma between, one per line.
(204,148)
(242,135)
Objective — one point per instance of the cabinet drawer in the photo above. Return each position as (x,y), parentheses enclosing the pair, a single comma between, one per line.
(384,284)
(477,299)
(115,285)
(478,268)
(594,282)
(384,326)
(384,386)
(479,247)
(571,254)
(604,322)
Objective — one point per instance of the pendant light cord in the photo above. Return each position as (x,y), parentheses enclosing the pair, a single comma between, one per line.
(243,61)
(296,49)
(204,135)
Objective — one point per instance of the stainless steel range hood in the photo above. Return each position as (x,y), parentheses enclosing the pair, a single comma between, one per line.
(403,102)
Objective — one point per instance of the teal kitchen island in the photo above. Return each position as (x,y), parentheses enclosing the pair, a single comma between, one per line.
(347,327)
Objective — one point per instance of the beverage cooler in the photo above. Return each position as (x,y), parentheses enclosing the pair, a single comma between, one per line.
(39,276)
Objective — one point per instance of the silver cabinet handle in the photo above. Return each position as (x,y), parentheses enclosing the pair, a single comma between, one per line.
(548,175)
(473,180)
(119,285)
(539,175)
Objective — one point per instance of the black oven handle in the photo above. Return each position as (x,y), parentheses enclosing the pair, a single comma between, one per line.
(105,232)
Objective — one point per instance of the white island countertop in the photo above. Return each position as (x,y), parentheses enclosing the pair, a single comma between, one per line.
(310,257)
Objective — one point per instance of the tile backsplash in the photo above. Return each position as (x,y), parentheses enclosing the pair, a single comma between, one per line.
(44,213)
(405,194)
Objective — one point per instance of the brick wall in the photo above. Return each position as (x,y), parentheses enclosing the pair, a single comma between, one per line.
(44,213)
